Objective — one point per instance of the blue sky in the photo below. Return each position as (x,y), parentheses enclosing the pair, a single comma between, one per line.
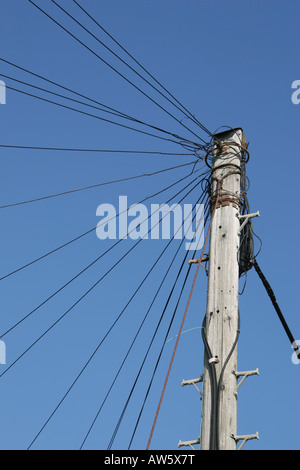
(231,63)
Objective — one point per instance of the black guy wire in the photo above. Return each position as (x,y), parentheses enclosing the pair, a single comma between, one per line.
(138,331)
(104,61)
(41,77)
(191,116)
(152,339)
(148,350)
(70,108)
(91,288)
(127,65)
(160,354)
(60,149)
(83,234)
(114,112)
(129,178)
(273,299)
(62,287)
(101,342)
(120,115)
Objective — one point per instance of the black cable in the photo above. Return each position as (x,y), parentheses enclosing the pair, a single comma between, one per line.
(70,108)
(219,387)
(83,234)
(94,352)
(214,386)
(95,186)
(157,292)
(41,77)
(60,289)
(137,333)
(246,247)
(160,355)
(272,297)
(60,149)
(120,315)
(104,61)
(95,284)
(184,110)
(109,110)
(120,113)
(153,337)
(114,113)
(127,65)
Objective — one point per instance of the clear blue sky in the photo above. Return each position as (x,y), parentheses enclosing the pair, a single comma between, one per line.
(231,63)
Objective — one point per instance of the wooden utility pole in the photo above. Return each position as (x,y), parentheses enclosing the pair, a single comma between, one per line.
(221,326)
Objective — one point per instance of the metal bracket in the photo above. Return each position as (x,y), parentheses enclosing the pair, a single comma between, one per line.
(247,437)
(189,443)
(196,261)
(246,218)
(244,374)
(193,382)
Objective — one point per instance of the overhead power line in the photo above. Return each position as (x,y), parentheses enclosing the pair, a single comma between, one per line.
(64,245)
(60,289)
(63,87)
(150,345)
(189,115)
(94,116)
(93,186)
(81,95)
(87,292)
(127,65)
(61,149)
(132,343)
(100,344)
(114,113)
(181,327)
(109,65)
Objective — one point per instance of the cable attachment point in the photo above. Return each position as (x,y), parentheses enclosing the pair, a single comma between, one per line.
(215,359)
(246,218)
(199,260)
(247,437)
(193,382)
(189,443)
(245,374)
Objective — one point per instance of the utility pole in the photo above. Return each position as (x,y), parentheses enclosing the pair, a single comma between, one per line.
(221,326)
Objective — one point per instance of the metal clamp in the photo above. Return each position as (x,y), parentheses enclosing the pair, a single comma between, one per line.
(247,437)
(215,359)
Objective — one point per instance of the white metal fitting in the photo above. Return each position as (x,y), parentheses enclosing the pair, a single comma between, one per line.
(246,218)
